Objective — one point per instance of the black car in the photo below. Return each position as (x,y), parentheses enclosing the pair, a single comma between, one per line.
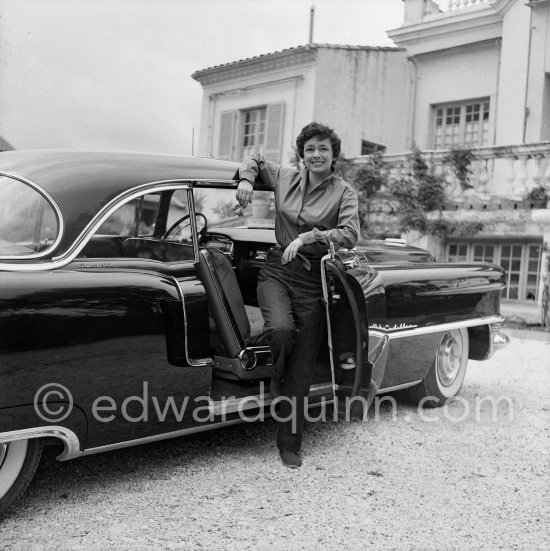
(128,308)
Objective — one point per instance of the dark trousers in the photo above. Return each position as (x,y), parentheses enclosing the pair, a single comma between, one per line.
(290,299)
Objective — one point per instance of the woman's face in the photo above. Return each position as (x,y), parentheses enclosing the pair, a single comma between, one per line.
(318,156)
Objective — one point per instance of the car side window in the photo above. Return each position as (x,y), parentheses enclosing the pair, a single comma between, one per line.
(147,214)
(29,224)
(154,226)
(178,225)
(178,207)
(135,218)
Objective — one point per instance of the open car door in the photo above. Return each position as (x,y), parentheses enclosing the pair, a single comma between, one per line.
(355,298)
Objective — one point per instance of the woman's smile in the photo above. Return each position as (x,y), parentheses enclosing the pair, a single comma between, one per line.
(318,156)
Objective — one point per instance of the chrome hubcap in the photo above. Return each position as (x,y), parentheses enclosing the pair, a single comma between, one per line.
(448,360)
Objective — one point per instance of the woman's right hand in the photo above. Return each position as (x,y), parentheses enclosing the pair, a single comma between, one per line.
(244,193)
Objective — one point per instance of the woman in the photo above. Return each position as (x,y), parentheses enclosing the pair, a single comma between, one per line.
(313,209)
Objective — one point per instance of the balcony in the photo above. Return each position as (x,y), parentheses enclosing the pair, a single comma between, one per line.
(430,8)
(501,177)
(432,26)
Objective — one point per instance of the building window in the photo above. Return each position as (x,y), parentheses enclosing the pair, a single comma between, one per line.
(522,262)
(368,148)
(458,252)
(464,124)
(253,140)
(245,132)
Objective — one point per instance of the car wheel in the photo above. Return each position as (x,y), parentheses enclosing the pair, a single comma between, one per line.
(18,463)
(444,379)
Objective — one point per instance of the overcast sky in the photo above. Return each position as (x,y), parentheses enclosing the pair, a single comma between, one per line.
(116,74)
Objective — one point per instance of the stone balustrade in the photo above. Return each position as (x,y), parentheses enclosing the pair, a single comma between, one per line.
(454,5)
(510,172)
(432,7)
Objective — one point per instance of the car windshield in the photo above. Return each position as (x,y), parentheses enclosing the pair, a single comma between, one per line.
(28,223)
(218,205)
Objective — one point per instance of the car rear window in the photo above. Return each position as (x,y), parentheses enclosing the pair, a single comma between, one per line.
(28,221)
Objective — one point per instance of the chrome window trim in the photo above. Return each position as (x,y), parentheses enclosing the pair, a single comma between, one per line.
(115,204)
(81,240)
(67,436)
(56,209)
(399,334)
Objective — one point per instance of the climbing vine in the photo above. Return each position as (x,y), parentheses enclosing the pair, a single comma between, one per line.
(460,159)
(419,199)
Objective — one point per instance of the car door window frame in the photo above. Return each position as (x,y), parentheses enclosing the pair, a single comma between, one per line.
(154,187)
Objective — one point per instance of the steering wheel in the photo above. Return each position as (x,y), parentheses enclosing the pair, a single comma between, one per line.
(177,227)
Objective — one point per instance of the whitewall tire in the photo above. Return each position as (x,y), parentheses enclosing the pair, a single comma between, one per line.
(18,463)
(445,377)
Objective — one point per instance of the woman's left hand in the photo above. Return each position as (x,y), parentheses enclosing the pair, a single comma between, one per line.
(289,254)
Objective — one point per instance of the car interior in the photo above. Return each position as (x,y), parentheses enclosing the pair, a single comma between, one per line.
(228,267)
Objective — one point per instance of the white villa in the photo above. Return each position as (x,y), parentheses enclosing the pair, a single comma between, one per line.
(464,73)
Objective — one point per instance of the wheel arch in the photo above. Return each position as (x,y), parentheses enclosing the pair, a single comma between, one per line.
(21,423)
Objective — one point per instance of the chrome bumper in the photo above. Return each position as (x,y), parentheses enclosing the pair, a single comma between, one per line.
(498,340)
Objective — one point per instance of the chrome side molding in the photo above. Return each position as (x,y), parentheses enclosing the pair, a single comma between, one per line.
(67,436)
(494,320)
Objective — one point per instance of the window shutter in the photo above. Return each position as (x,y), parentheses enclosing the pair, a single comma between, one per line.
(227,135)
(274,133)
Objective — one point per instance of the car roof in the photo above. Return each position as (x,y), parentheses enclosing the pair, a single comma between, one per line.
(59,172)
(82,182)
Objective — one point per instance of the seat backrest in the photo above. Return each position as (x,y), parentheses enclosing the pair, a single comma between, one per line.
(224,300)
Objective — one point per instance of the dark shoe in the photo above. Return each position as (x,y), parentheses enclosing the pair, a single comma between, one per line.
(275,387)
(290,459)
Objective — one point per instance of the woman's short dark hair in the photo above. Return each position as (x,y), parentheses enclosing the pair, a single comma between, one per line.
(318,130)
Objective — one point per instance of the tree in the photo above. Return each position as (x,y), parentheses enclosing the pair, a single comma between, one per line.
(368,180)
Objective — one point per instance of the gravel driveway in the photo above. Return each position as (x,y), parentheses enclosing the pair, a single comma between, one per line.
(444,479)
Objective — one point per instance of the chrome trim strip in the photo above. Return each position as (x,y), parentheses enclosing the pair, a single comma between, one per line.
(159,437)
(321,388)
(193,221)
(198,362)
(244,403)
(67,436)
(438,328)
(57,210)
(329,330)
(398,387)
